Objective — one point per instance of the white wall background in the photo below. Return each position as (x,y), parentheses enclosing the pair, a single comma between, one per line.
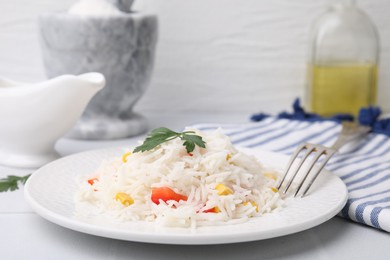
(213,55)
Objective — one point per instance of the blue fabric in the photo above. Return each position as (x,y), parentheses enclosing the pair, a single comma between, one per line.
(367,116)
(300,114)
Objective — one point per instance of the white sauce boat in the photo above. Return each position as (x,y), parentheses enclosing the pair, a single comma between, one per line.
(34,116)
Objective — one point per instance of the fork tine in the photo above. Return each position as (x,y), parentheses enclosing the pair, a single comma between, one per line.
(310,149)
(320,152)
(290,163)
(327,158)
(349,132)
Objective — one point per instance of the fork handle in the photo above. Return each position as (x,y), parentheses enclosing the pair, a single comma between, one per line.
(349,132)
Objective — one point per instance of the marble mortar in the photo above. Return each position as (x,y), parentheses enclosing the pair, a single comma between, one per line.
(122,48)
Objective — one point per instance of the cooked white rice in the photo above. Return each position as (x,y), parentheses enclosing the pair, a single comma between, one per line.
(169,165)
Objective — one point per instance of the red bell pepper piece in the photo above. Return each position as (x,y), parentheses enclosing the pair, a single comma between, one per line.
(212,210)
(165,194)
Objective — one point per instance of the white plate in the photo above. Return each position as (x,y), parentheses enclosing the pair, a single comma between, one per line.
(50,191)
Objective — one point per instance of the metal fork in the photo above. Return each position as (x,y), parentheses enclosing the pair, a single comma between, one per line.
(349,132)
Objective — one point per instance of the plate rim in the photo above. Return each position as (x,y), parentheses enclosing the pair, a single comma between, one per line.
(169,238)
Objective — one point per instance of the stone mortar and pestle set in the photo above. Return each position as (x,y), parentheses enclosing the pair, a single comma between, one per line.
(99,36)
(106,37)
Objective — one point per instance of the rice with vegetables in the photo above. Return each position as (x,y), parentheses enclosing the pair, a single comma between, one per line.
(173,187)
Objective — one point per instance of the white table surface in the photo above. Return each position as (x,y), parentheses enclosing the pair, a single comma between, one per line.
(25,235)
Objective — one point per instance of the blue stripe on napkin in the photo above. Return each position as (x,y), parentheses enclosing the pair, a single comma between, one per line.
(363,165)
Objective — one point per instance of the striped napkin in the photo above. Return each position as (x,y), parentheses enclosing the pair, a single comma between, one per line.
(364,166)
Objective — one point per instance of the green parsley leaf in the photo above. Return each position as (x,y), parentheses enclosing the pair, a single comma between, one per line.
(190,140)
(11,182)
(163,134)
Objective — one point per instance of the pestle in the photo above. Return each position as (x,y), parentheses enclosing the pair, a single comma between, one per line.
(123,5)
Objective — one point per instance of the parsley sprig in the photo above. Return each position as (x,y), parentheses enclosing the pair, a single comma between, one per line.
(163,134)
(11,182)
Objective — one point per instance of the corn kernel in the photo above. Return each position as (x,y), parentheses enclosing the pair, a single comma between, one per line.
(124,156)
(124,198)
(228,156)
(253,204)
(223,190)
(270,175)
(274,189)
